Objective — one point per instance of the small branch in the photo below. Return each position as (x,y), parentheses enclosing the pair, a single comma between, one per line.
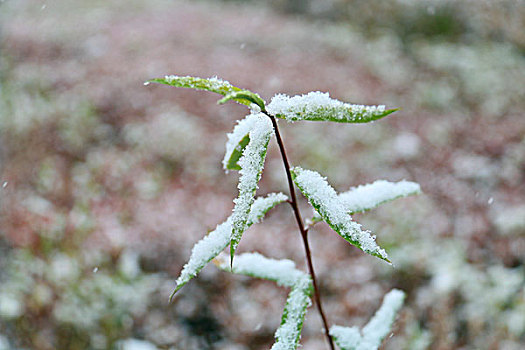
(302,229)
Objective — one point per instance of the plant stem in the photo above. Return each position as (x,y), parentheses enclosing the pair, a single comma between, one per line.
(302,229)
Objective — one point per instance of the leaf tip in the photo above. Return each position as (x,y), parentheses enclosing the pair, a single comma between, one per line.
(172,296)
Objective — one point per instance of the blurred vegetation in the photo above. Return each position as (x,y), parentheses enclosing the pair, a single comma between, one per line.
(106,184)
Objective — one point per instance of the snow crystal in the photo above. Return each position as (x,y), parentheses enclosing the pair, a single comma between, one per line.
(319,106)
(325,200)
(369,196)
(251,163)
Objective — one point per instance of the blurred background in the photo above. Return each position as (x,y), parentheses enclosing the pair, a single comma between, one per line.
(107,184)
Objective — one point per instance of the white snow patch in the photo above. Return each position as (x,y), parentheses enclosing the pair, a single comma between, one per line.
(216,241)
(324,198)
(252,164)
(371,336)
(283,272)
(318,105)
(369,196)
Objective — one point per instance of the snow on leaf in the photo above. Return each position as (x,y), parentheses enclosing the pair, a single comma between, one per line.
(318,106)
(261,206)
(326,202)
(381,324)
(284,273)
(288,334)
(237,142)
(213,84)
(210,246)
(369,196)
(347,338)
(251,163)
(371,336)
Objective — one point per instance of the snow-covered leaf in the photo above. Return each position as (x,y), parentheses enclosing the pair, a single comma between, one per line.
(251,164)
(261,205)
(318,106)
(331,209)
(288,334)
(213,84)
(210,246)
(237,142)
(284,273)
(371,336)
(369,196)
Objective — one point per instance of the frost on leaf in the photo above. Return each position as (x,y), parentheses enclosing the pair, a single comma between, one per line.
(318,106)
(213,84)
(332,210)
(369,196)
(371,336)
(284,273)
(210,246)
(237,142)
(251,164)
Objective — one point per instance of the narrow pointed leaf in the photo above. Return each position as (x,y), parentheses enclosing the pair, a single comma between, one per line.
(213,84)
(262,205)
(244,95)
(288,334)
(318,106)
(380,325)
(252,164)
(217,240)
(284,273)
(371,336)
(370,196)
(325,200)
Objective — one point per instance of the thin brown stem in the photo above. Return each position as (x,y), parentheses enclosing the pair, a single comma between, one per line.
(302,229)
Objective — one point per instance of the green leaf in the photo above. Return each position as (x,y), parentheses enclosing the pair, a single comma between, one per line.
(371,336)
(244,95)
(369,196)
(216,241)
(288,334)
(318,106)
(326,202)
(284,273)
(237,142)
(231,163)
(251,164)
(213,84)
